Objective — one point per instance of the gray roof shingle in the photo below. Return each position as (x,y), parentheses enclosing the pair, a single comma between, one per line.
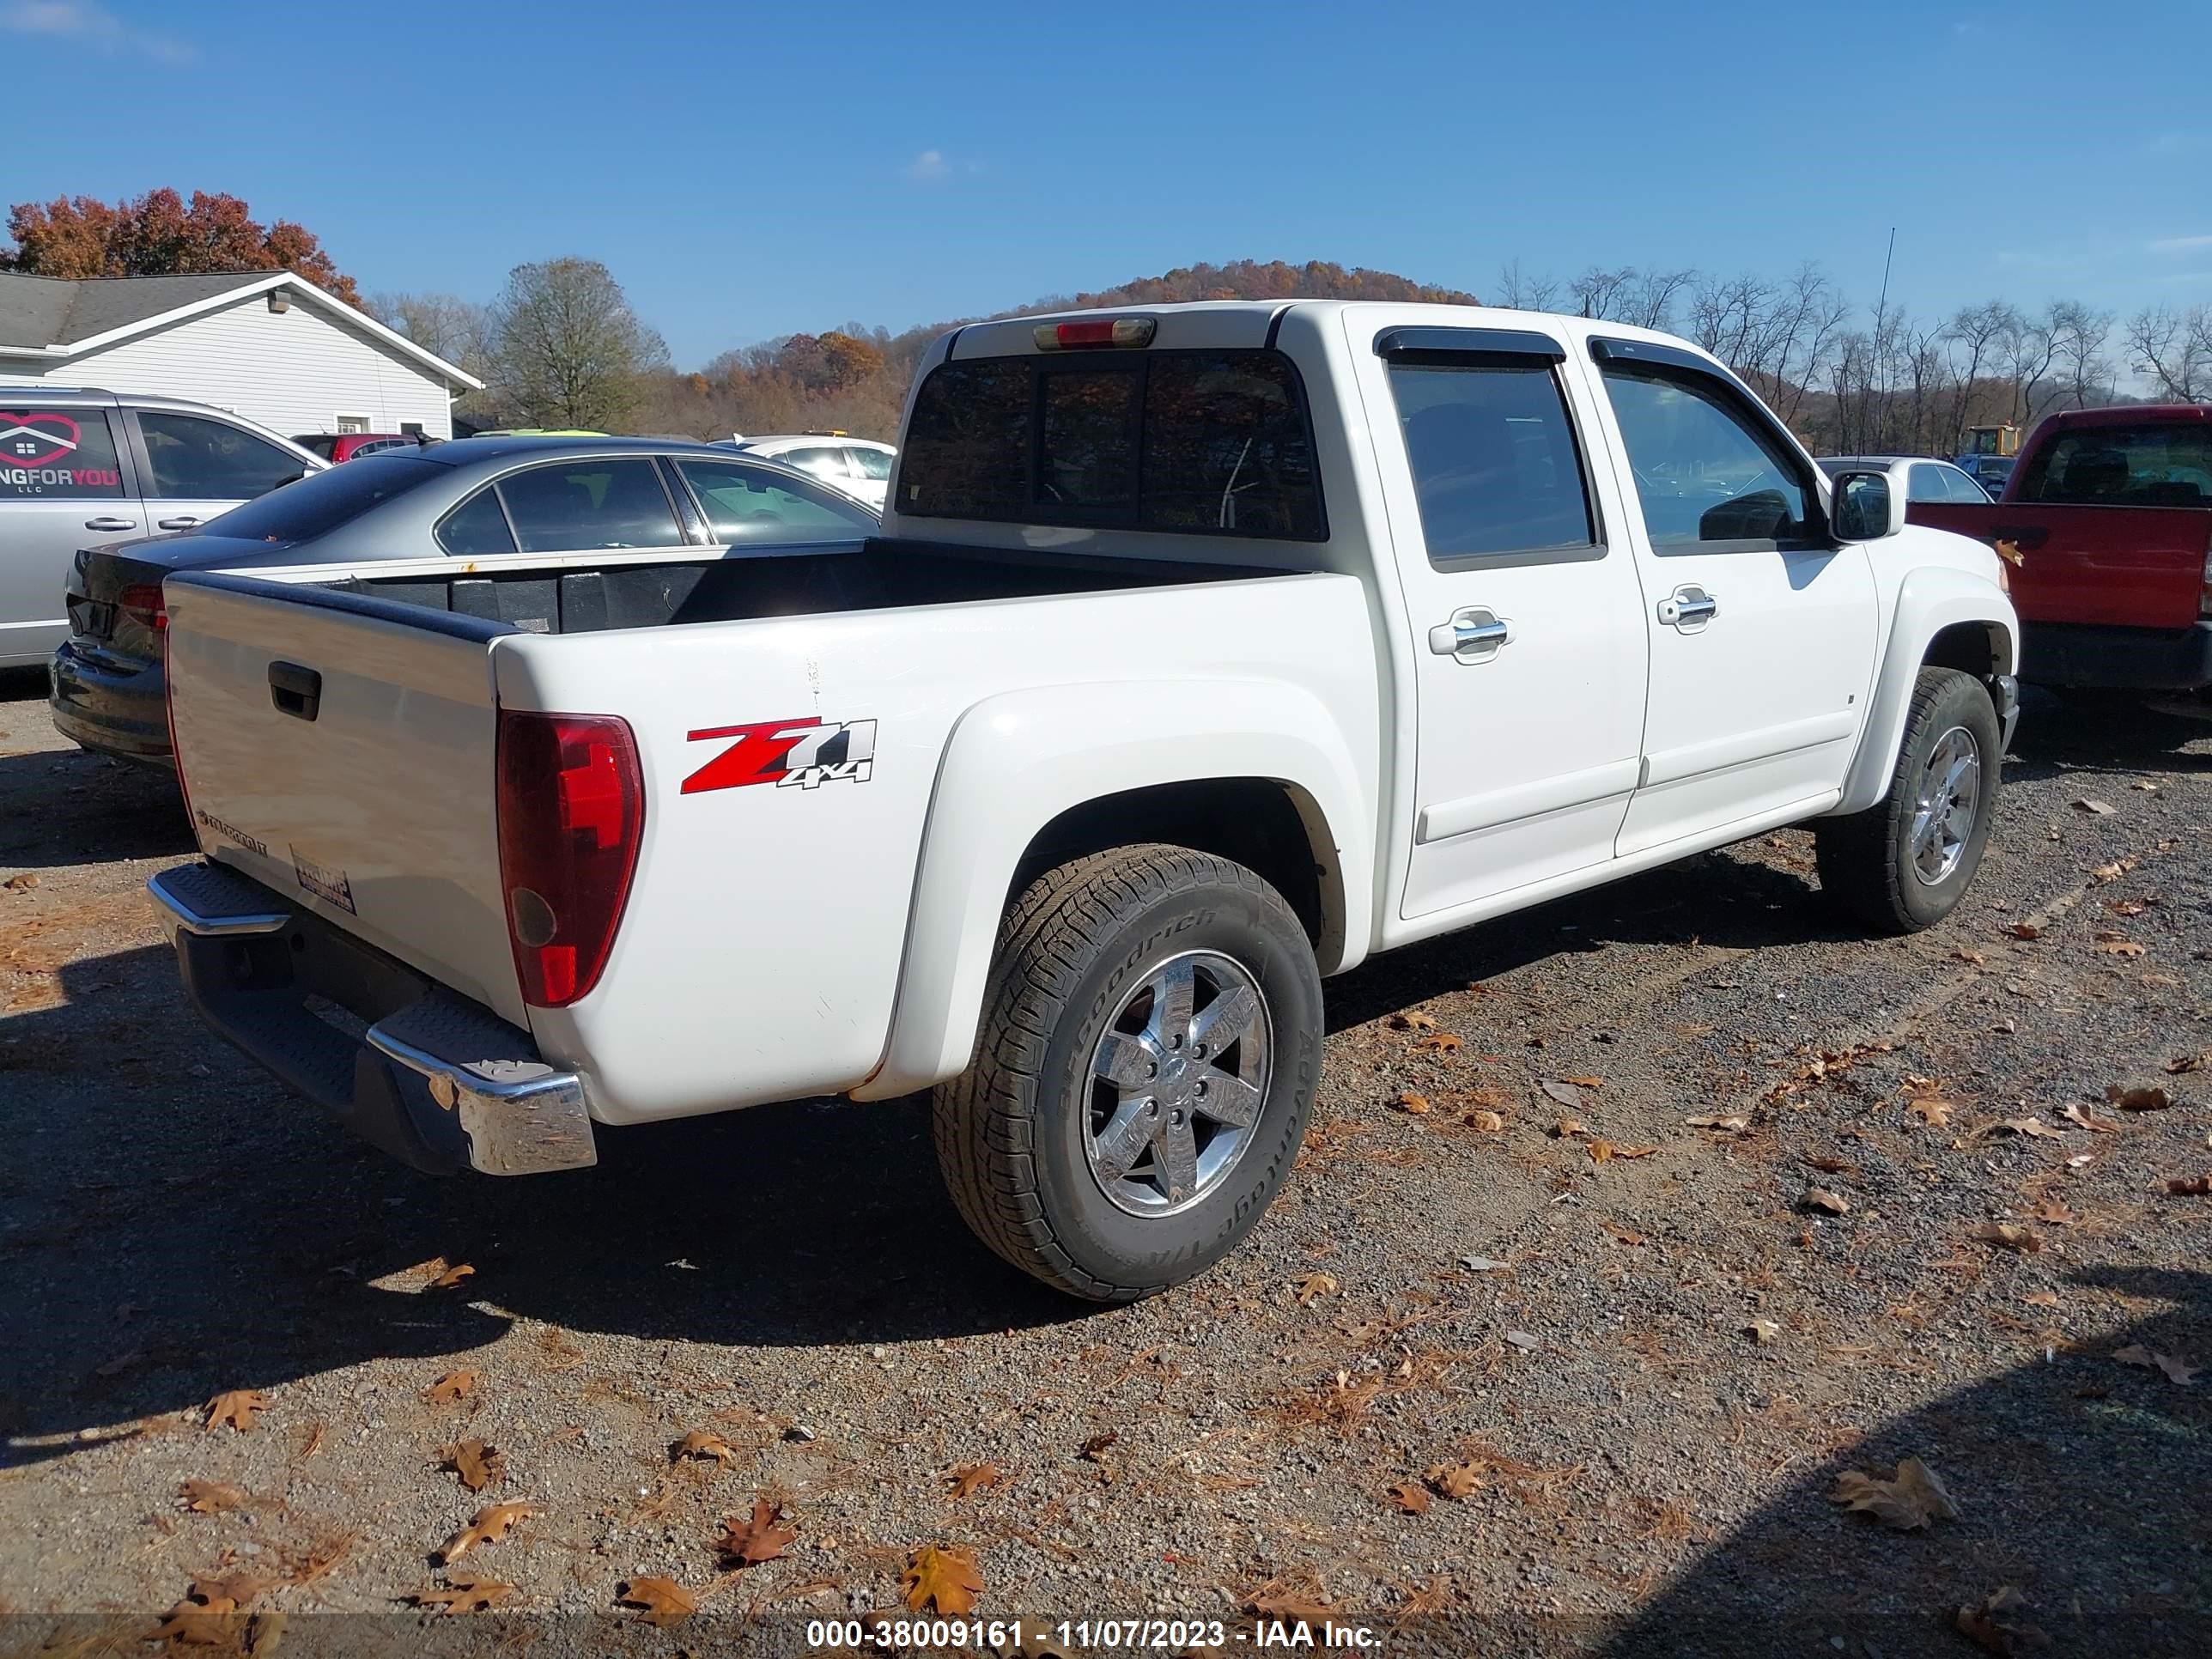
(43,311)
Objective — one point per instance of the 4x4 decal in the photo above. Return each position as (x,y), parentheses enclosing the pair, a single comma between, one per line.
(802,753)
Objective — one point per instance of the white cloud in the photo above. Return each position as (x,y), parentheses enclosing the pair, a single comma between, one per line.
(89,23)
(929,167)
(2179,244)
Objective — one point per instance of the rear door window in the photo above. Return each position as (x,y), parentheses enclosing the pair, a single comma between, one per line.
(1201,442)
(582,505)
(1924,482)
(195,459)
(58,454)
(1496,466)
(752,504)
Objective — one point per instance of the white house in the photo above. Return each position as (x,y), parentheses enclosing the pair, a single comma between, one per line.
(267,345)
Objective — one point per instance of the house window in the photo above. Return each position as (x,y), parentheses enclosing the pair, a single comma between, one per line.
(410,428)
(352,423)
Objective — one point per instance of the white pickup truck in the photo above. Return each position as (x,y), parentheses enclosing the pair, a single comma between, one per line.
(1206,651)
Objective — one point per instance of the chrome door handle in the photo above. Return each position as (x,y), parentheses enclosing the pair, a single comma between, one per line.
(1688,608)
(1474,635)
(110,522)
(186,522)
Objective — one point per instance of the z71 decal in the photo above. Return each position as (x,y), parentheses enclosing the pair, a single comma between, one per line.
(801,753)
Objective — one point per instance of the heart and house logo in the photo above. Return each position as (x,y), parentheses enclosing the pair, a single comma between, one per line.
(35,439)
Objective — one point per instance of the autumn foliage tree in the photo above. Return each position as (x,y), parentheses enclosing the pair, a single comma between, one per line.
(160,234)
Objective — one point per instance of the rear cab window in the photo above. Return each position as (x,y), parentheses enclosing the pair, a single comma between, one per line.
(58,454)
(2157,463)
(1199,442)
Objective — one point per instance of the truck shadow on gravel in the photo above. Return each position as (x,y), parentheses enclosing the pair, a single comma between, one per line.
(2079,1480)
(66,806)
(2060,736)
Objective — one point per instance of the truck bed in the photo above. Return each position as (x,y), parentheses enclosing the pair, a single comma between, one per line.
(876,574)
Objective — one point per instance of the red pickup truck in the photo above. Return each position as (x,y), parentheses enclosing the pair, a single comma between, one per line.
(2107,521)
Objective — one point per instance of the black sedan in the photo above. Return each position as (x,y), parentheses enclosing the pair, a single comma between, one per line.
(479,498)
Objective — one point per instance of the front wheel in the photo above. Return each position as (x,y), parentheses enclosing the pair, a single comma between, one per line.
(1903,863)
(1151,1042)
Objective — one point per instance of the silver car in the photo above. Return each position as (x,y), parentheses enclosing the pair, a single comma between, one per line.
(1914,477)
(484,501)
(79,467)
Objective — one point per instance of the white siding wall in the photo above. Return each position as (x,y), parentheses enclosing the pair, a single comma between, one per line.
(296,373)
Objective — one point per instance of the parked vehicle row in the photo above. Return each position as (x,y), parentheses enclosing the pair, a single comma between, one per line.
(859,467)
(475,504)
(1205,651)
(82,466)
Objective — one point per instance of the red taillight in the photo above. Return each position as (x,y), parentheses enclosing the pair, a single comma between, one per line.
(571,815)
(1095,331)
(142,603)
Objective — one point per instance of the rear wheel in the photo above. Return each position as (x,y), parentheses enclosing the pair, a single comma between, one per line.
(1151,1040)
(1903,863)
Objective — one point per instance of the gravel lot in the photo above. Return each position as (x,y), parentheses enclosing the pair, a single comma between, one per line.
(1643,1373)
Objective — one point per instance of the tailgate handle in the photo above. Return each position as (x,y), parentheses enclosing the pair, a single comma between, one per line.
(295,690)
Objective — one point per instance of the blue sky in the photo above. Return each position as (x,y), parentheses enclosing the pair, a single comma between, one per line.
(747,170)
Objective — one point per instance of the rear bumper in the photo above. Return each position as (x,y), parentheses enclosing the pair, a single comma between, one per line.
(437,1081)
(110,708)
(2130,659)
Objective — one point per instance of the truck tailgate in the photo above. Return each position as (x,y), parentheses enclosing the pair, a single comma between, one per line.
(345,757)
(2127,567)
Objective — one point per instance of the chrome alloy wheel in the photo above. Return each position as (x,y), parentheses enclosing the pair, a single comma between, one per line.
(1176,1083)
(1943,810)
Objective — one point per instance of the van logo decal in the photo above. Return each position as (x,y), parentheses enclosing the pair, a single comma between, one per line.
(805,754)
(32,440)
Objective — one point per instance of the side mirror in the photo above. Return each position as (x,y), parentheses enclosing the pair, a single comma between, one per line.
(1862,507)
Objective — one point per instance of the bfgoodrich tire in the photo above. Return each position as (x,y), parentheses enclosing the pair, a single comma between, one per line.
(1150,1039)
(1903,864)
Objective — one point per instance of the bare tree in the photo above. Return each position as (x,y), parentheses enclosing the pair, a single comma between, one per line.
(2173,351)
(2029,350)
(2078,336)
(1517,291)
(1981,333)
(569,350)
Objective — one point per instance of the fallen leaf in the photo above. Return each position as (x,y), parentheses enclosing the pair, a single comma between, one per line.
(2109,944)
(763,1537)
(2054,1211)
(1585,1082)
(1962,954)
(2041,1299)
(967,1478)
(1819,1198)
(1310,1287)
(1764,1332)
(2008,1236)
(703,1443)
(1567,1127)
(942,1577)
(1625,1235)
(452,1277)
(1455,1481)
(2128,907)
(2033,1127)
(1484,1120)
(23,884)
(2138,1100)
(2176,1370)
(2094,808)
(2105,872)
(1290,1605)
(1092,1450)
(1996,1623)
(1732,1125)
(453,1387)
(2189,1186)
(1566,1093)
(1416,1104)
(2182,1063)
(2103,1125)
(1600,1151)
(1411,1496)
(2026,930)
(236,1407)
(665,1602)
(1410,1022)
(263,1630)
(463,1592)
(1439,1043)
(1911,1497)
(478,1465)
(1634,1151)
(210,1497)
(491,1523)
(1936,1113)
